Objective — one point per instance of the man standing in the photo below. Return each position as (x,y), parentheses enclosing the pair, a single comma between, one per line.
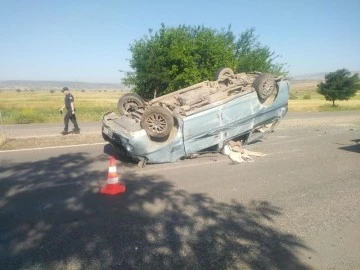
(70,112)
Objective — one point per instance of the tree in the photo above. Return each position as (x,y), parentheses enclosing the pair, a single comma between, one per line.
(173,58)
(250,55)
(339,85)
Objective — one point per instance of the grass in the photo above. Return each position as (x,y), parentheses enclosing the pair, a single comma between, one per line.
(43,106)
(3,138)
(306,99)
(312,105)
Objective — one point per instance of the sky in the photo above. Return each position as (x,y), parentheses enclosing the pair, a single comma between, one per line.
(89,40)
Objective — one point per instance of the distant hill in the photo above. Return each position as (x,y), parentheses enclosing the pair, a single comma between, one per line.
(320,76)
(57,85)
(312,79)
(309,81)
(309,77)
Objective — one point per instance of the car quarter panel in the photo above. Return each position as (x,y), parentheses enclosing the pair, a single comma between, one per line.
(137,144)
(278,108)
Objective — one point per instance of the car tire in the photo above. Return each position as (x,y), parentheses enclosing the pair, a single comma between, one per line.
(129,102)
(223,73)
(105,137)
(157,121)
(265,86)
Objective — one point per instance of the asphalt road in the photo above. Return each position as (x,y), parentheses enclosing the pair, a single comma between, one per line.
(46,130)
(295,208)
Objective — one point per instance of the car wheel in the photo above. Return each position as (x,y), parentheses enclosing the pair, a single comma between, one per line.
(105,137)
(223,73)
(129,103)
(157,121)
(265,86)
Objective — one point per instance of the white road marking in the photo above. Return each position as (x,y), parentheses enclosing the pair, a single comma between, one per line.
(153,169)
(51,147)
(50,135)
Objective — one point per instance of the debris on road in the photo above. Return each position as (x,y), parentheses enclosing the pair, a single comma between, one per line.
(237,153)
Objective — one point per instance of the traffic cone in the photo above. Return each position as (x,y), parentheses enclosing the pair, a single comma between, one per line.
(112,186)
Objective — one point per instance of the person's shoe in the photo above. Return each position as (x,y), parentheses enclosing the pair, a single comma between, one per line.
(76,130)
(64,132)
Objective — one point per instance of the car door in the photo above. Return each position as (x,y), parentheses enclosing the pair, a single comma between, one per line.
(238,115)
(202,130)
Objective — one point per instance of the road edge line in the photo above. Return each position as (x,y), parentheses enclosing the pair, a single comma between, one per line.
(50,147)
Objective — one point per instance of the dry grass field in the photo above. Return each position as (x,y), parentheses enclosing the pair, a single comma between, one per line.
(304,98)
(41,106)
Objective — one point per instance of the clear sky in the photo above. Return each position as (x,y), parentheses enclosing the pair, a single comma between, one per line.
(88,40)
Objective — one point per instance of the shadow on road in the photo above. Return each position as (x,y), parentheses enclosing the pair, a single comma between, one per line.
(52,217)
(121,156)
(353,148)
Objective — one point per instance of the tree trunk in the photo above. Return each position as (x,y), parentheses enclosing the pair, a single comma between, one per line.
(333,102)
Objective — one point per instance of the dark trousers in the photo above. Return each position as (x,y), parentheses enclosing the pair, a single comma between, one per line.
(69,116)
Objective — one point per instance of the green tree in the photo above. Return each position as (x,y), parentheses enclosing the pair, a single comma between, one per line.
(173,58)
(339,85)
(250,55)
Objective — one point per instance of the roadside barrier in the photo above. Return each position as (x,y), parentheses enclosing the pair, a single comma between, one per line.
(112,186)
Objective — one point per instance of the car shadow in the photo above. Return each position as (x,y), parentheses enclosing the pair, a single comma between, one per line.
(353,148)
(53,217)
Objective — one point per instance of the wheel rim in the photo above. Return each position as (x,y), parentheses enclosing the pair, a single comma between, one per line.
(130,106)
(224,75)
(156,123)
(268,87)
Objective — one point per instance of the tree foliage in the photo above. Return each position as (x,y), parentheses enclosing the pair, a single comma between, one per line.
(174,58)
(339,85)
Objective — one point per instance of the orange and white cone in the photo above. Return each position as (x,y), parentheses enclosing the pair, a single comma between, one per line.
(112,186)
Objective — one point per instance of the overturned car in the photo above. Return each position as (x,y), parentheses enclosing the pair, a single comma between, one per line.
(200,117)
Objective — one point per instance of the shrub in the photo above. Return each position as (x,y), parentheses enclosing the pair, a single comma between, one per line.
(307,96)
(292,96)
(3,138)
(28,116)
